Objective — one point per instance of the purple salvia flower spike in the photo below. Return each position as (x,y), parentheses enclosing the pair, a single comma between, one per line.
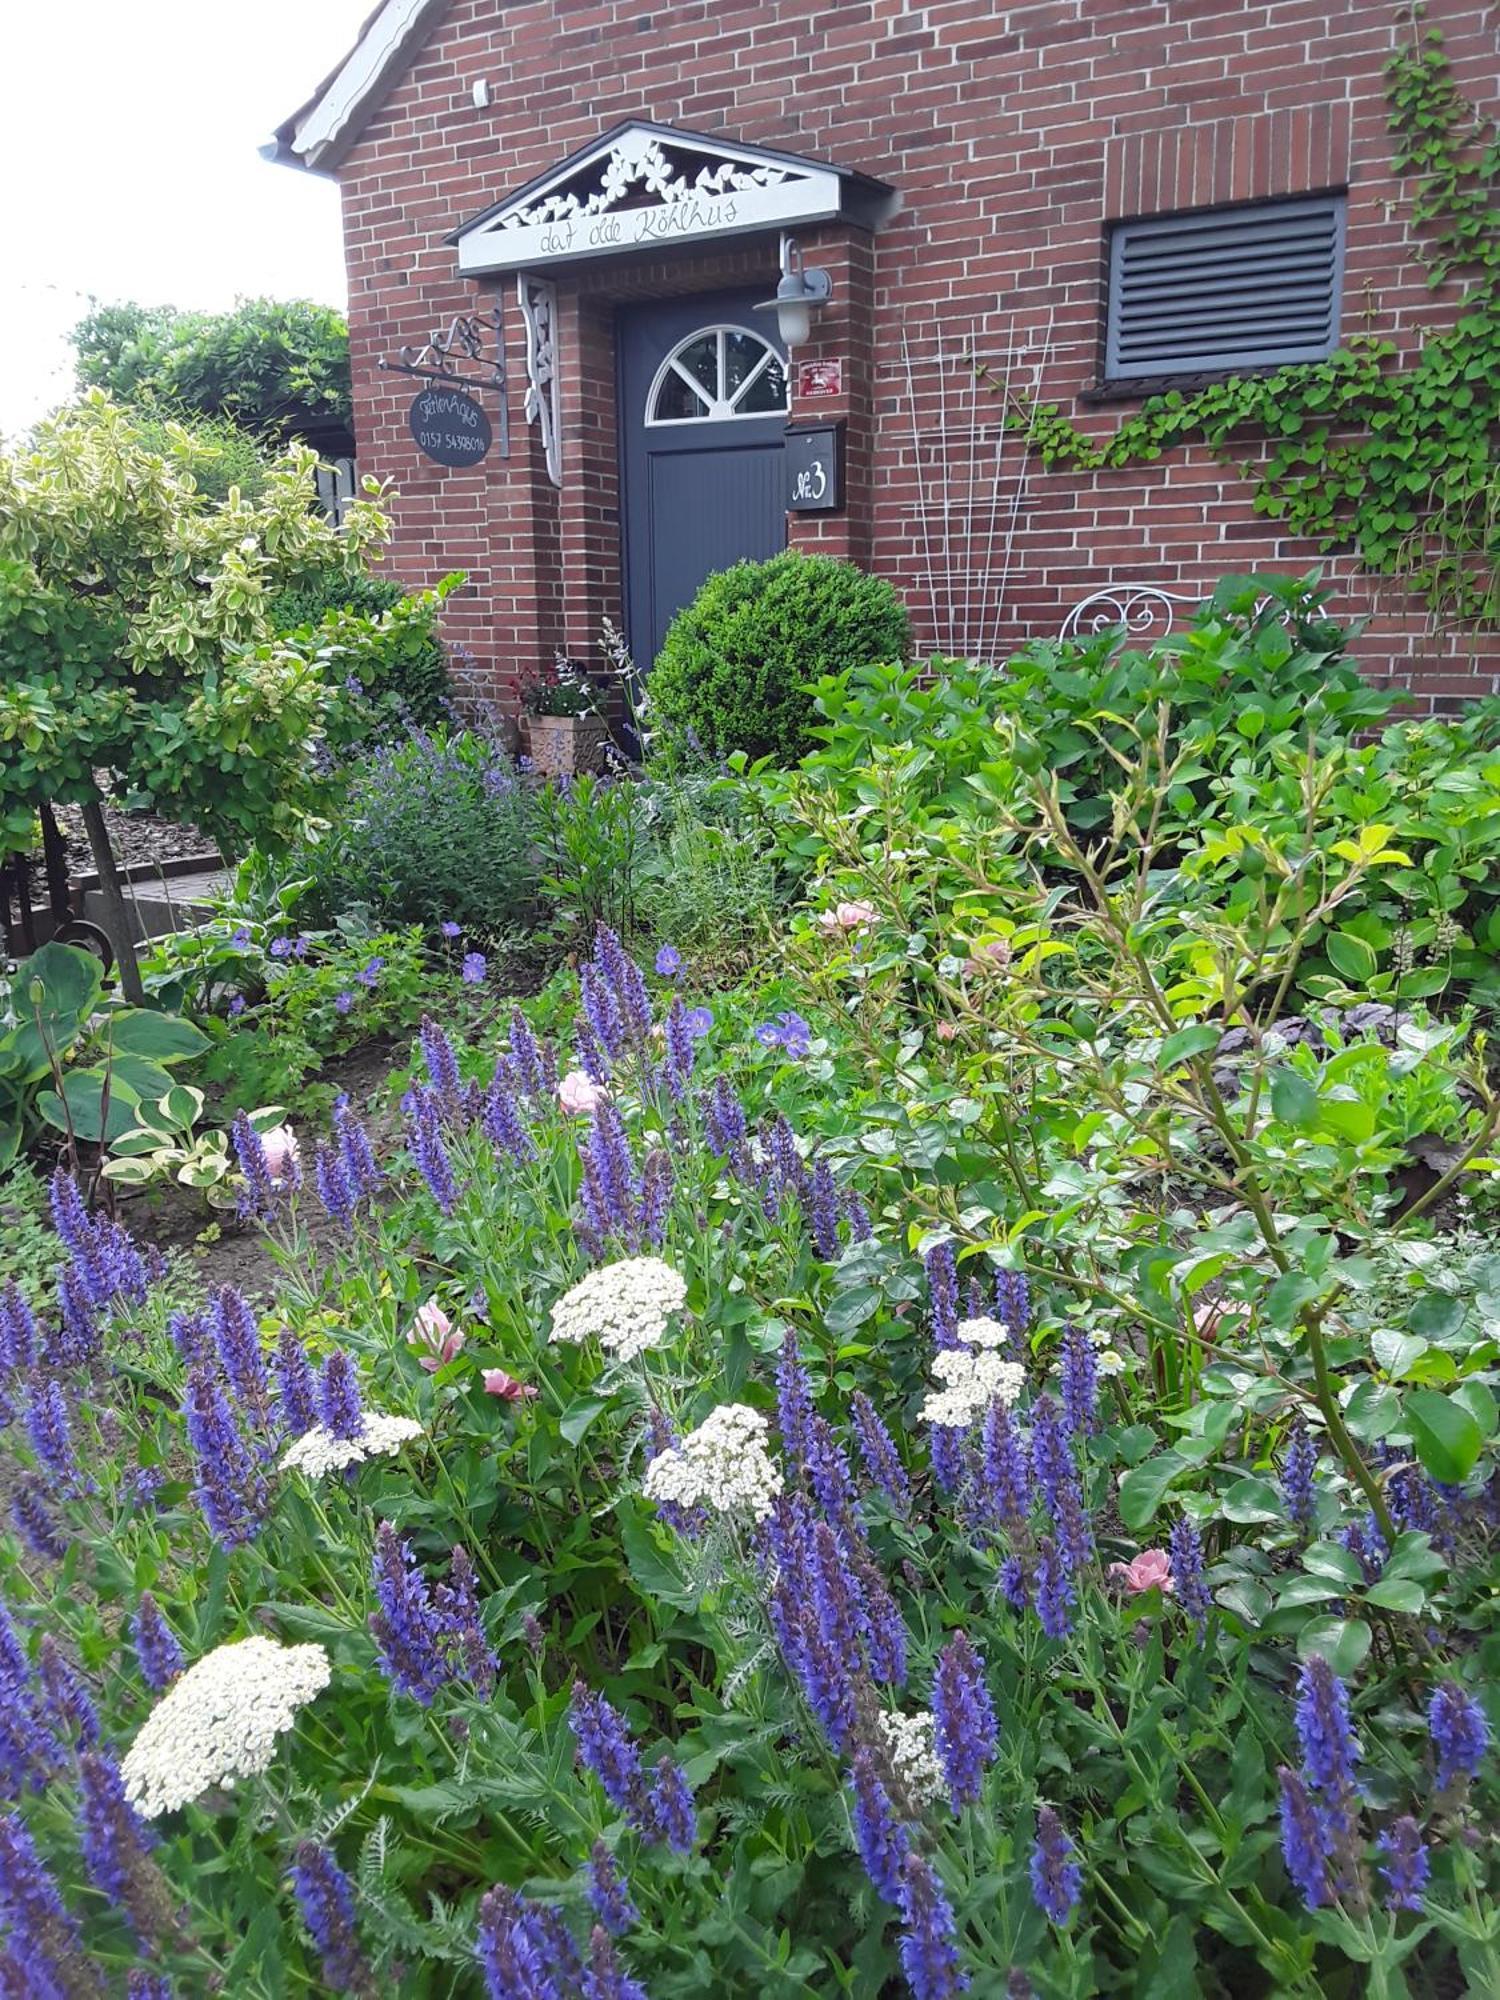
(877,1450)
(338,1396)
(964,1720)
(882,1840)
(408,1627)
(1056,1877)
(156,1648)
(325,1896)
(929,1933)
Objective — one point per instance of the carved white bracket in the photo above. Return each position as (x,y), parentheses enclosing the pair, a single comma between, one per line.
(539,316)
(641,186)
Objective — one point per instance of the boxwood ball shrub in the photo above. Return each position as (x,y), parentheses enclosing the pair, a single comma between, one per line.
(734,671)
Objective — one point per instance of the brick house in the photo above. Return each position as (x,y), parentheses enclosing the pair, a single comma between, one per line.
(1080,194)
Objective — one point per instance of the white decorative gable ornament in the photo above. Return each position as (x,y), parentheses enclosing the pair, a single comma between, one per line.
(642,185)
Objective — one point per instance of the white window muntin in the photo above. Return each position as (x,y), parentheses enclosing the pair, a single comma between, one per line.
(721,407)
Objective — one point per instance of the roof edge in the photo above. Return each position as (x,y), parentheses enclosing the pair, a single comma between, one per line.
(320,133)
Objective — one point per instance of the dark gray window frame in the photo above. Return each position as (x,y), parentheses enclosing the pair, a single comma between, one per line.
(1227,232)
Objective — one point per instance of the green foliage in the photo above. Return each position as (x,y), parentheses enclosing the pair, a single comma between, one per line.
(326,994)
(1393,450)
(28,1249)
(213,451)
(277,368)
(392,655)
(711,885)
(1247,734)
(735,666)
(432,830)
(591,842)
(134,618)
(165,1144)
(334,589)
(70,1063)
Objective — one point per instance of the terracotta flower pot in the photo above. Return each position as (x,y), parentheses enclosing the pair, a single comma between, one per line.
(561,746)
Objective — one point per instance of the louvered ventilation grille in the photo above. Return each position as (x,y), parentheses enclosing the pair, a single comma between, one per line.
(1248,287)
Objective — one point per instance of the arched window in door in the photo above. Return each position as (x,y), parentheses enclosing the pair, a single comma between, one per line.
(717,374)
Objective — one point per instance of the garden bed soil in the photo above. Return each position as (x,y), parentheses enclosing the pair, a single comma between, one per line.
(173,1219)
(139,839)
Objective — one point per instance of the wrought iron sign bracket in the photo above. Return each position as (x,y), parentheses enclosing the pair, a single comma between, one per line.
(463,341)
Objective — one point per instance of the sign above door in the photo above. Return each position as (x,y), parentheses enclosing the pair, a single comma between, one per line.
(641,186)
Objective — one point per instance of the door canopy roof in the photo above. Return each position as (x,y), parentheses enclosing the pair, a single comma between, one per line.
(642,187)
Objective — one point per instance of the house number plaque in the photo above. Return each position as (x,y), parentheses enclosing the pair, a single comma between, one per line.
(815,470)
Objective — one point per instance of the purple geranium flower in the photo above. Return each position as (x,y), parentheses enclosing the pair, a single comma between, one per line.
(474,968)
(668,961)
(788,1032)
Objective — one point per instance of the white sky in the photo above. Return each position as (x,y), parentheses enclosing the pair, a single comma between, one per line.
(128,167)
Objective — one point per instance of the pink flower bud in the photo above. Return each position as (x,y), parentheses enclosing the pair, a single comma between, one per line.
(498,1383)
(432,1329)
(579,1094)
(280,1148)
(848,917)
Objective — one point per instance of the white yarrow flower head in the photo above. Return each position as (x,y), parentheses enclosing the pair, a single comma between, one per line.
(983,1332)
(974,1378)
(626,1306)
(318,1452)
(723,1464)
(220,1721)
(911,1745)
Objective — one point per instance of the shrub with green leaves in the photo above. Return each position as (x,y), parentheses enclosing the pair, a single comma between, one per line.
(734,670)
(435,829)
(383,644)
(1245,741)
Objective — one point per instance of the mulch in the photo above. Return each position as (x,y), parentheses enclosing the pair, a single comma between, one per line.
(139,839)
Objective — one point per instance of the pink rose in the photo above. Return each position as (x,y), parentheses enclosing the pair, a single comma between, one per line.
(848,917)
(1150,1570)
(280,1148)
(498,1383)
(579,1094)
(431,1328)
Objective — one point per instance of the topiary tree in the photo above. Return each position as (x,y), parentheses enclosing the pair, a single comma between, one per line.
(139,648)
(734,671)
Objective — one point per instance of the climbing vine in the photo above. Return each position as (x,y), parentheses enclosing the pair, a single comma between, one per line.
(1391,452)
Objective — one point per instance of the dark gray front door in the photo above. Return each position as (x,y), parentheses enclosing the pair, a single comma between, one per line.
(702,422)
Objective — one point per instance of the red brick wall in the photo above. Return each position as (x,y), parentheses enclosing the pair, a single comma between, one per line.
(1013,133)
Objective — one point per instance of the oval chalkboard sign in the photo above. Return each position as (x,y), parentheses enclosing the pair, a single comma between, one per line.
(449,426)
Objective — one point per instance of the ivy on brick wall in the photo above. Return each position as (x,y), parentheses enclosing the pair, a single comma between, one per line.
(1390,452)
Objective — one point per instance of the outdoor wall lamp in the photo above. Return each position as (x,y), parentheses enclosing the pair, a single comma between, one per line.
(799,290)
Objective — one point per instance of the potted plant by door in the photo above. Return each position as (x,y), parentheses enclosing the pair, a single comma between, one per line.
(565,733)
